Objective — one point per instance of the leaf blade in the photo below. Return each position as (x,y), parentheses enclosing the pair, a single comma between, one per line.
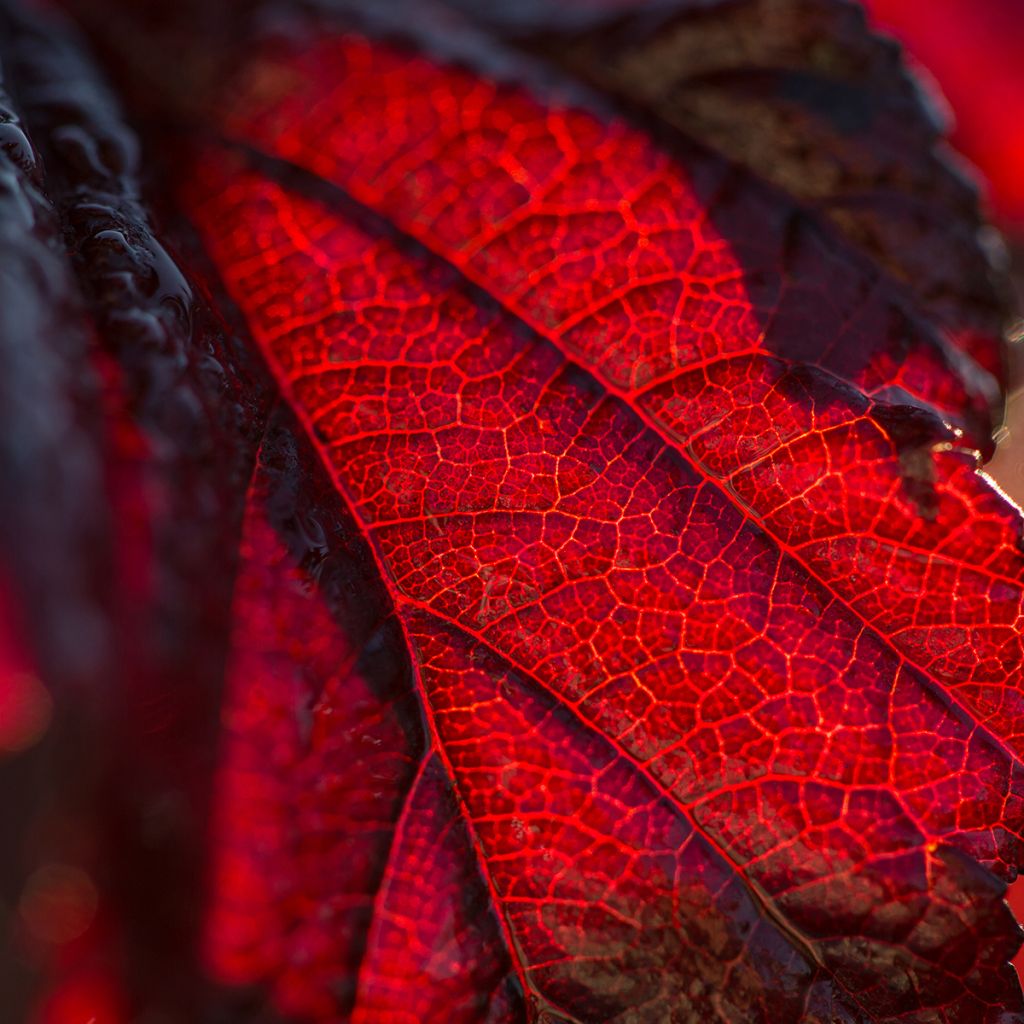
(415,498)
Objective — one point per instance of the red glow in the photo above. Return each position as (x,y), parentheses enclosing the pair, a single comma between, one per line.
(25,704)
(85,997)
(25,710)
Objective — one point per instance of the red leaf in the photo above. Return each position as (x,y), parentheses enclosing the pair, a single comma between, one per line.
(622,630)
(690,622)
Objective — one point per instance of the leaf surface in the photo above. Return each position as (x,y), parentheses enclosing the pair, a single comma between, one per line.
(685,612)
(830,116)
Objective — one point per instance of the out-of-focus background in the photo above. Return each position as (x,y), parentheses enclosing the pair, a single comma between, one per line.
(970,51)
